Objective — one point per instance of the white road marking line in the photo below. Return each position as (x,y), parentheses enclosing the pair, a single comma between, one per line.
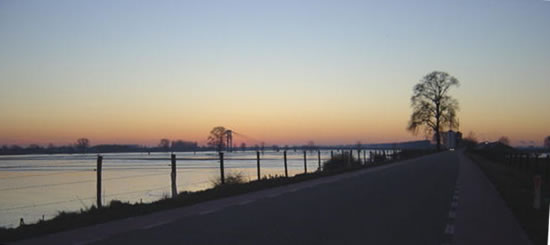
(450,229)
(209,211)
(452,214)
(147,227)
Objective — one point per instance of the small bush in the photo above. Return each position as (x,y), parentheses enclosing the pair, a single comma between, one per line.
(340,161)
(118,204)
(230,179)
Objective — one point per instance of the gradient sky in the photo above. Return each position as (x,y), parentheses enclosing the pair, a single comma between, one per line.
(280,71)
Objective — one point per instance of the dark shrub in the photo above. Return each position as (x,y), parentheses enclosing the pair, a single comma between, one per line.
(340,161)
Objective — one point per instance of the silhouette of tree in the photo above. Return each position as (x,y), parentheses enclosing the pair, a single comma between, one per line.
(164,144)
(504,140)
(216,138)
(310,145)
(433,109)
(82,144)
(262,147)
(547,142)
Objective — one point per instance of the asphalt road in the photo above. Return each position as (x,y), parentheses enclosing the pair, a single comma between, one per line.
(404,203)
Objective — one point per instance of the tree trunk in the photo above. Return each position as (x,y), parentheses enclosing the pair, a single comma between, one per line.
(437,124)
(438,140)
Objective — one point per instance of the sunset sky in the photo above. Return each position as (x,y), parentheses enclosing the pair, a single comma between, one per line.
(283,72)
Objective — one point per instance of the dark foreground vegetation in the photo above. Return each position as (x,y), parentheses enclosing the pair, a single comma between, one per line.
(118,210)
(513,177)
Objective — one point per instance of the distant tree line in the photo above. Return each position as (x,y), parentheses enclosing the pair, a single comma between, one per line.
(83,145)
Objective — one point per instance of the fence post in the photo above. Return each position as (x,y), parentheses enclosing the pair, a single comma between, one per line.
(173,176)
(537,165)
(349,158)
(98,170)
(319,158)
(370,156)
(365,157)
(359,155)
(221,168)
(305,162)
(331,154)
(286,168)
(258,164)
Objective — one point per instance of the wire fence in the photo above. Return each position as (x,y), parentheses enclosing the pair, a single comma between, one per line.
(42,187)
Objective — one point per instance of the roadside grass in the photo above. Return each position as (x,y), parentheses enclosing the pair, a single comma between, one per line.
(516,188)
(231,178)
(235,185)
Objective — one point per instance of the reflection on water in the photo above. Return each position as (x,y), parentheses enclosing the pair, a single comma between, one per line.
(36,186)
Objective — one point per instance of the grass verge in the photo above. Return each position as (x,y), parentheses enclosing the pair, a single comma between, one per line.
(516,188)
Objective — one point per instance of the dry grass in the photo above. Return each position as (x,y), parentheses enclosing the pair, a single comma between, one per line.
(516,188)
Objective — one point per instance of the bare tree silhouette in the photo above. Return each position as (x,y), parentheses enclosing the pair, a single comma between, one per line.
(433,109)
(82,144)
(216,138)
(164,144)
(504,140)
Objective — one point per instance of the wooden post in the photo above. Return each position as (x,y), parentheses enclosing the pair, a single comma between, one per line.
(98,170)
(173,177)
(348,154)
(222,177)
(359,155)
(537,165)
(371,158)
(364,157)
(305,162)
(258,164)
(286,168)
(331,154)
(319,158)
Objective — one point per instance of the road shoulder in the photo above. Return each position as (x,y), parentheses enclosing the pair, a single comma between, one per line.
(482,216)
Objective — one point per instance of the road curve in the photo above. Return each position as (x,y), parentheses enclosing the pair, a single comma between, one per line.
(400,204)
(421,201)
